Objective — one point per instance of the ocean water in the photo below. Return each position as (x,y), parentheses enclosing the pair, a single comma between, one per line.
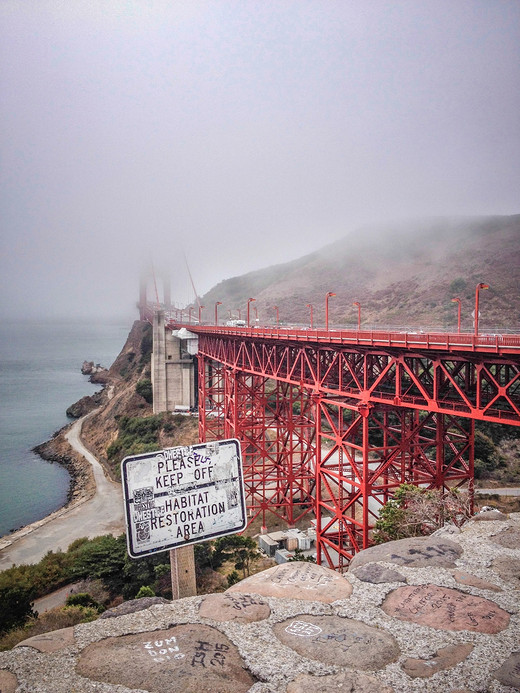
(40,376)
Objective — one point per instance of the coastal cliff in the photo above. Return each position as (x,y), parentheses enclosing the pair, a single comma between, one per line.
(101,411)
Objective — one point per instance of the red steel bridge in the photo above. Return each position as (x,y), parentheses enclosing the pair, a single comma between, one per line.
(332,421)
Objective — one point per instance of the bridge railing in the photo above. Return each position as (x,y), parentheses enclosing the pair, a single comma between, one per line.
(442,341)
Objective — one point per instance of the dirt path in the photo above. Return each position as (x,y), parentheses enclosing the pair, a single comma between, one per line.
(57,598)
(103,514)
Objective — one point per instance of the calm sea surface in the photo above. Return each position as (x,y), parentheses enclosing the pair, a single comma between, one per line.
(40,376)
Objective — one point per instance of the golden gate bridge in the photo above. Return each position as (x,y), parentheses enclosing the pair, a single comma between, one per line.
(331,422)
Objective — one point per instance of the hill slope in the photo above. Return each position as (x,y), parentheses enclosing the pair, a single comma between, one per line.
(402,274)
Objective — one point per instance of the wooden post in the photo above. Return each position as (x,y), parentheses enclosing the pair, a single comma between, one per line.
(182,563)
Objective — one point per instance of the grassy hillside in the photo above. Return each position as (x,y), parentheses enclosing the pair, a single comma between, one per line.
(403,276)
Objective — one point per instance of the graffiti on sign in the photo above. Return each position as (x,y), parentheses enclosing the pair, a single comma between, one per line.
(183,495)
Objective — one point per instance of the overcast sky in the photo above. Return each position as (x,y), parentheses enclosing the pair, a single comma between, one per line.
(245,133)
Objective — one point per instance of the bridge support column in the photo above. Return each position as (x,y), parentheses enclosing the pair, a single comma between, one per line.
(173,370)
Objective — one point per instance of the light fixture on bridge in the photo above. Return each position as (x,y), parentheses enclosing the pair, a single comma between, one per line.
(309,305)
(329,294)
(248,302)
(356,303)
(457,300)
(477,291)
(217,304)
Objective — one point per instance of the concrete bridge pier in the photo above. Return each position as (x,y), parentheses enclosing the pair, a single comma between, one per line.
(174,389)
(173,368)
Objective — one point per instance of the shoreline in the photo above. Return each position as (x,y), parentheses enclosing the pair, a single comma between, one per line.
(57,450)
(82,486)
(96,511)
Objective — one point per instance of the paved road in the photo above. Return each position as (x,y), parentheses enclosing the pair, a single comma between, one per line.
(103,514)
(509,491)
(57,598)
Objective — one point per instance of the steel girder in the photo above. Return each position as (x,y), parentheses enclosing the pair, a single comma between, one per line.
(473,385)
(371,420)
(211,399)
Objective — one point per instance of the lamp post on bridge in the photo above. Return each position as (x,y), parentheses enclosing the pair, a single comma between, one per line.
(477,291)
(217,304)
(200,313)
(356,303)
(457,300)
(277,315)
(329,294)
(309,305)
(248,303)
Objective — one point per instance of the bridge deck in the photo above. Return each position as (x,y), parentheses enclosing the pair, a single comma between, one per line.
(502,344)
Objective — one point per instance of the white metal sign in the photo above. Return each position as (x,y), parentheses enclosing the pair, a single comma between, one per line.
(183,495)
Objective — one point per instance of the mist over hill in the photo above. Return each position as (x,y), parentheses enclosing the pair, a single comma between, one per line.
(403,275)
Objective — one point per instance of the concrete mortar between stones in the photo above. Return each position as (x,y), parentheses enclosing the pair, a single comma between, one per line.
(276,664)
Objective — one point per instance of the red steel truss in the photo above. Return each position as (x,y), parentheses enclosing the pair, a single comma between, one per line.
(274,422)
(333,428)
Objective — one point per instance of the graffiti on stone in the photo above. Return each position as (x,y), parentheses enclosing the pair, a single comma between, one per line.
(445,608)
(414,552)
(186,658)
(297,580)
(209,654)
(302,575)
(243,601)
(163,650)
(338,641)
(426,553)
(303,629)
(243,608)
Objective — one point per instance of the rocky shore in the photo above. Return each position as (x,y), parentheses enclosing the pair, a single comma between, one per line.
(58,450)
(99,428)
(82,485)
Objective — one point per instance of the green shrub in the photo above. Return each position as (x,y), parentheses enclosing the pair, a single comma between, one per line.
(233,578)
(16,608)
(83,599)
(457,285)
(418,511)
(145,389)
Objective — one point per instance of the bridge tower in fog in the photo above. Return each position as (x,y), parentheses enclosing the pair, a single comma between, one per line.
(149,283)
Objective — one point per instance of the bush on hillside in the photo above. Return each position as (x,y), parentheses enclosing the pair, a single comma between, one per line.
(145,389)
(416,511)
(17,603)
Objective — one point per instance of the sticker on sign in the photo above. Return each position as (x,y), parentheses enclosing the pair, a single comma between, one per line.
(183,495)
